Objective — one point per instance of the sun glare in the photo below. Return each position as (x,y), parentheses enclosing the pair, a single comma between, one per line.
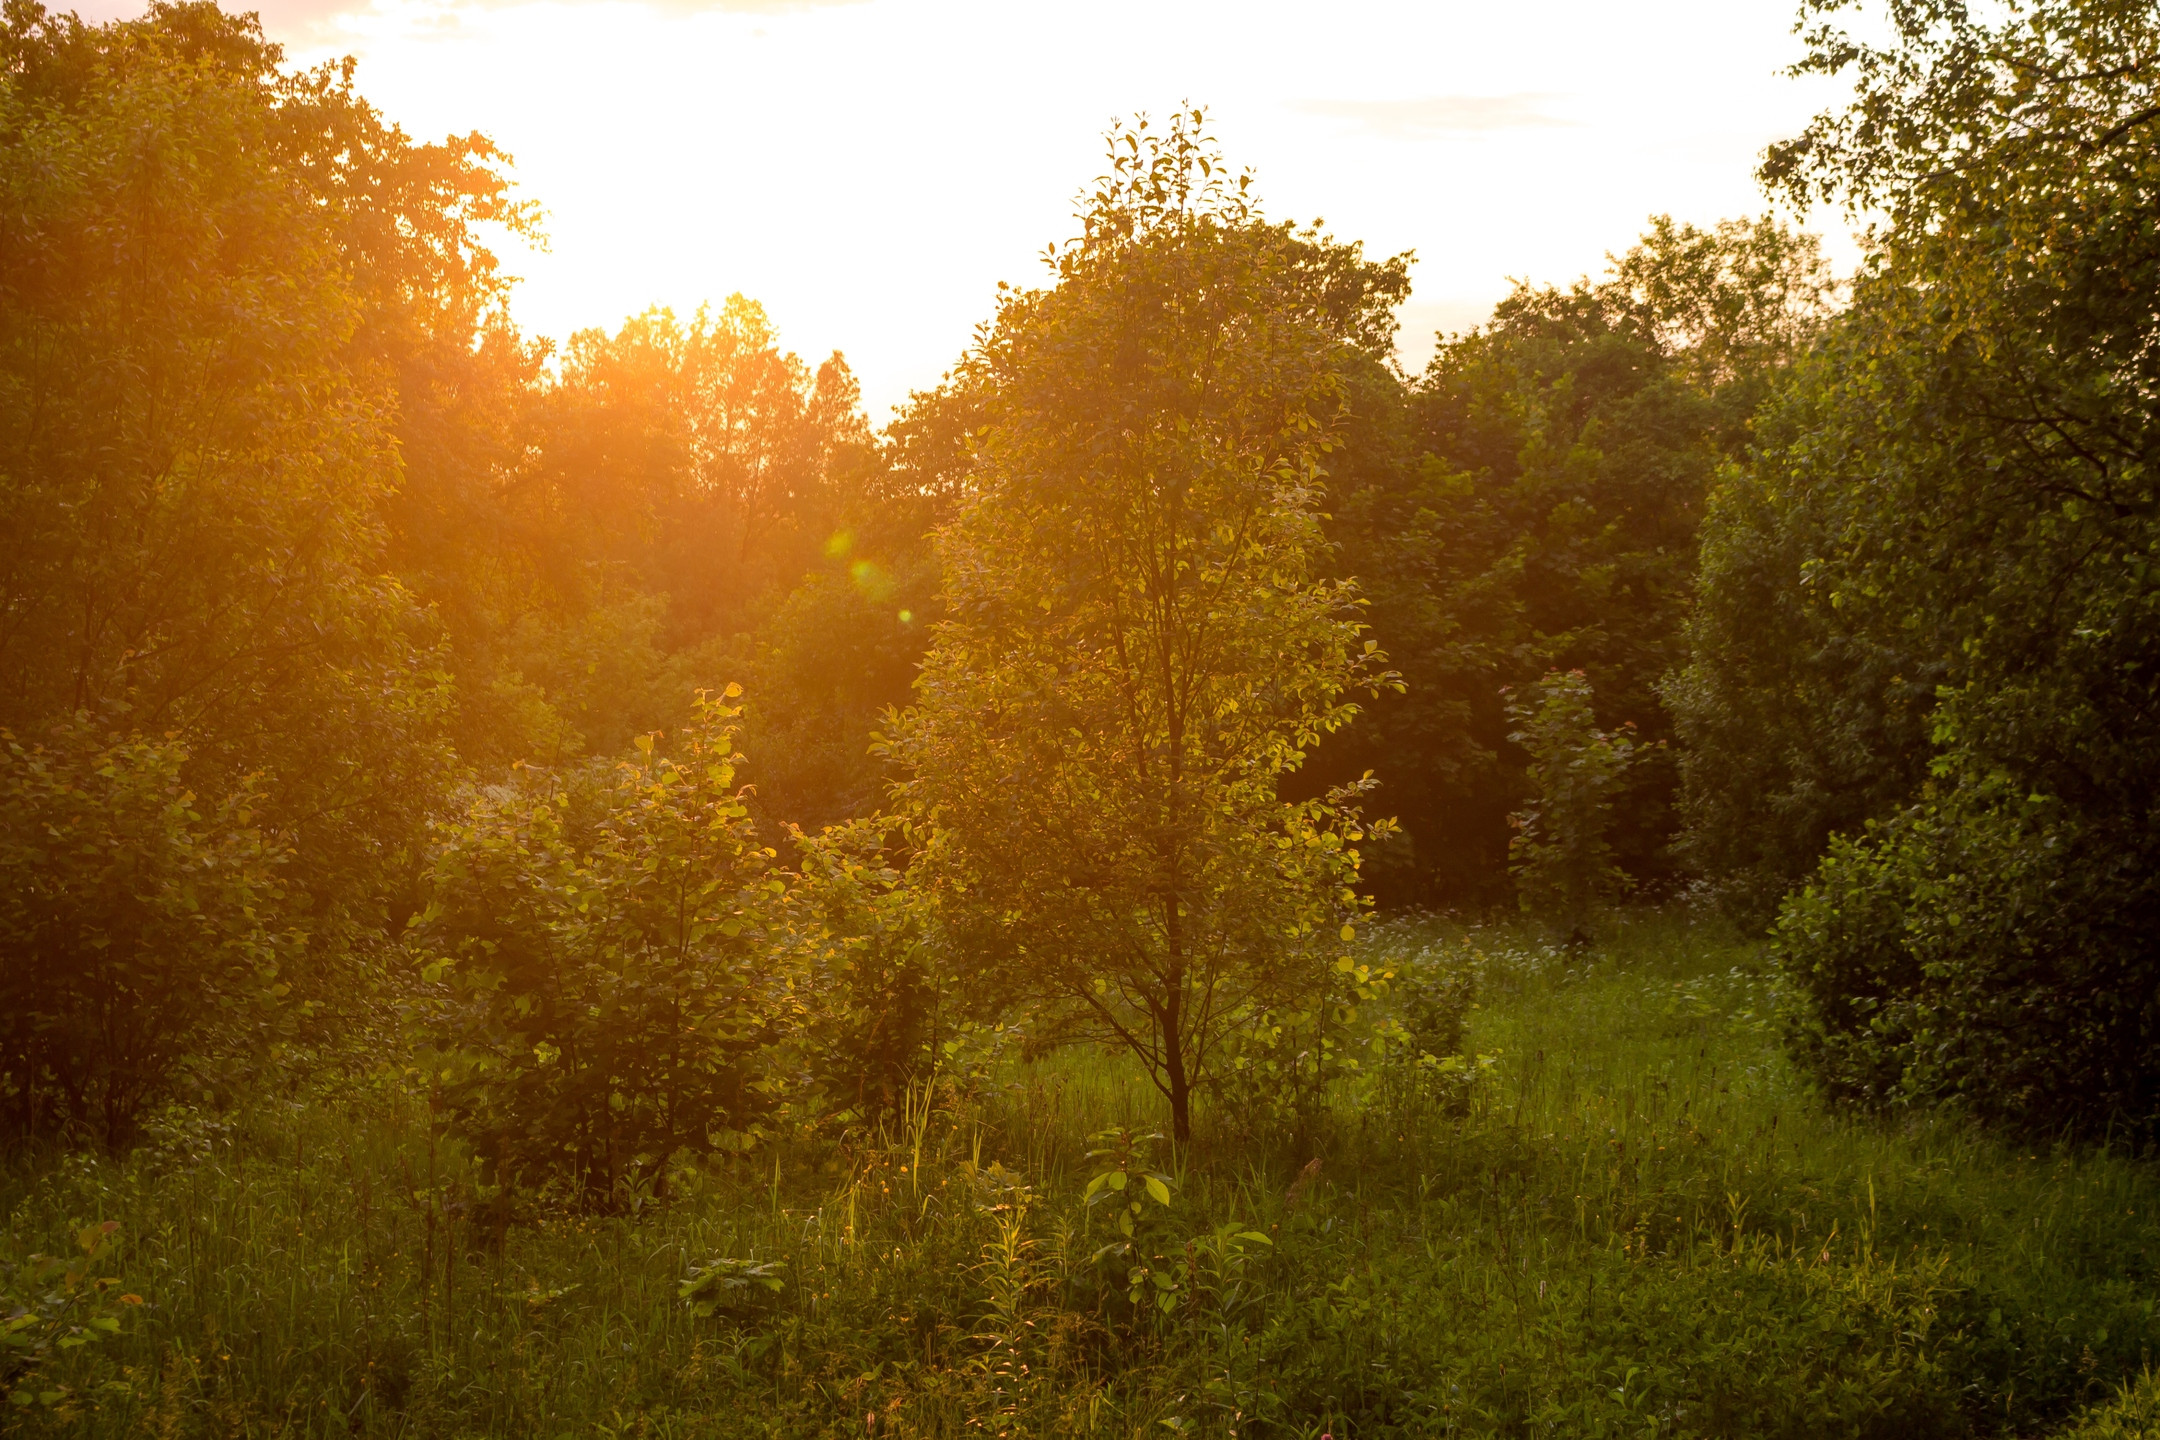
(870,170)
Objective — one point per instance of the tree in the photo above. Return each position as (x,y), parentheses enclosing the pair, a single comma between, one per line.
(1975,504)
(695,459)
(1561,857)
(1136,650)
(197,431)
(627,528)
(832,656)
(208,668)
(1803,709)
(1532,505)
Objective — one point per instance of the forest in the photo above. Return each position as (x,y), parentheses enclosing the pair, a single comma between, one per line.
(1197,881)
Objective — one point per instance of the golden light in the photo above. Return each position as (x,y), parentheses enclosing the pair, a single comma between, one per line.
(870,170)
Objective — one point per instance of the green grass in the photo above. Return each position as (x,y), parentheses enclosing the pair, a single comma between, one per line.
(1639,1224)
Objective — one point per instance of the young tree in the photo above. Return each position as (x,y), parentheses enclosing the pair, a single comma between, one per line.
(1137,651)
(1562,853)
(606,971)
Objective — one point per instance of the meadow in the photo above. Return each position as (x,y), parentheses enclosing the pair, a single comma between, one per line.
(1631,1218)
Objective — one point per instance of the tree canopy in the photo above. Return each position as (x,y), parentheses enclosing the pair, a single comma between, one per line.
(1137,648)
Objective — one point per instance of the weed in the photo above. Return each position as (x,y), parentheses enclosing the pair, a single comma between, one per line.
(1626,1216)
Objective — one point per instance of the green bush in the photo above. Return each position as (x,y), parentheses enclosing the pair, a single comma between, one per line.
(1562,858)
(605,989)
(1987,948)
(866,960)
(136,929)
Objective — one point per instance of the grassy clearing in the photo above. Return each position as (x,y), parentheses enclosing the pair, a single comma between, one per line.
(1638,1225)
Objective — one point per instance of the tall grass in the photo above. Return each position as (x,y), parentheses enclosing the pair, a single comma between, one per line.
(1635,1222)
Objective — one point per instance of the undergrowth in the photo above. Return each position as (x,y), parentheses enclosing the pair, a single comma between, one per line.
(1623,1215)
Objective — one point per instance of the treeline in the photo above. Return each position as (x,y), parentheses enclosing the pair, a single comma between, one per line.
(333,606)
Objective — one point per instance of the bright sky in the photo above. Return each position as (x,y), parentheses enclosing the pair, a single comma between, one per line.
(870,169)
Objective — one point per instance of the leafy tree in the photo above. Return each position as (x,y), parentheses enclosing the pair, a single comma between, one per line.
(871,981)
(643,527)
(196,431)
(206,261)
(1803,710)
(1562,859)
(835,654)
(693,459)
(1136,651)
(605,971)
(134,929)
(1978,480)
(1534,507)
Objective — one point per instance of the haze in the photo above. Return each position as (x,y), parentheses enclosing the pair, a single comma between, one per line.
(870,170)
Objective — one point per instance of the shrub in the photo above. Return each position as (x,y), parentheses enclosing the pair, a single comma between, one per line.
(1988,948)
(1562,861)
(866,959)
(135,928)
(605,992)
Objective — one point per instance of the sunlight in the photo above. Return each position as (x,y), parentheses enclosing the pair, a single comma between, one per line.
(943,769)
(871,170)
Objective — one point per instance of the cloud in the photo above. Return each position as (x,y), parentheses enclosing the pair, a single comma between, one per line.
(1436,114)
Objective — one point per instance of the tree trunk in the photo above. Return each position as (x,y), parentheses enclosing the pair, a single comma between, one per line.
(1176,1082)
(1180,1088)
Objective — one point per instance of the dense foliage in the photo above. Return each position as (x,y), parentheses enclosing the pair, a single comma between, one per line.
(1949,544)
(136,931)
(1137,650)
(197,441)
(1531,505)
(609,1000)
(612,791)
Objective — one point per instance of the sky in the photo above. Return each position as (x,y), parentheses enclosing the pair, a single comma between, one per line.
(869,170)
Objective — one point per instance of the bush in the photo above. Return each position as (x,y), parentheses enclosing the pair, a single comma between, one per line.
(135,928)
(1560,856)
(601,967)
(873,993)
(1988,948)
